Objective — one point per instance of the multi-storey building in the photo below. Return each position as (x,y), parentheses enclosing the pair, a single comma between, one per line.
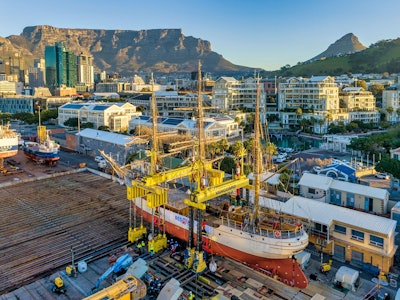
(319,93)
(347,235)
(61,67)
(16,104)
(36,74)
(231,94)
(391,103)
(86,71)
(116,116)
(357,99)
(8,87)
(109,87)
(319,98)
(219,127)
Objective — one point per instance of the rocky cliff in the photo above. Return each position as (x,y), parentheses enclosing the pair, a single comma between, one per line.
(126,51)
(347,44)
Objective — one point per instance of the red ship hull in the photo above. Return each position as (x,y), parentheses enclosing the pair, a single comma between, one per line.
(286,271)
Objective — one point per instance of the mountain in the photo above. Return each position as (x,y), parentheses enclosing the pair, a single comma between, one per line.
(347,44)
(381,57)
(125,51)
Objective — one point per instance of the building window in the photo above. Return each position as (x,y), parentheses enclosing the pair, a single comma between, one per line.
(340,229)
(357,235)
(311,191)
(376,241)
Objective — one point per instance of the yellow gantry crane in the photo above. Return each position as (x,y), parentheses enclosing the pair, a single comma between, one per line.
(208,183)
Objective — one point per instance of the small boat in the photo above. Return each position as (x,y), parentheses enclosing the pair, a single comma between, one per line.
(44,150)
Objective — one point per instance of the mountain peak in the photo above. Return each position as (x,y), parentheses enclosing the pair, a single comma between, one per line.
(347,44)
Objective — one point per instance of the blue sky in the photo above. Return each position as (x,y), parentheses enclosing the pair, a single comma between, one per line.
(264,34)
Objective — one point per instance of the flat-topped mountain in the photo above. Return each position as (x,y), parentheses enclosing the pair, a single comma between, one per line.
(126,51)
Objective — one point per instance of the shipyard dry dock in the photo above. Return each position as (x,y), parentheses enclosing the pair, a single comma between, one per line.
(42,220)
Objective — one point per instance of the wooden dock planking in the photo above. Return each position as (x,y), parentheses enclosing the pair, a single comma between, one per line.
(41,220)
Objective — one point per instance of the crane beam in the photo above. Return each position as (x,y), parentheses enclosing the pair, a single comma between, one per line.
(198,198)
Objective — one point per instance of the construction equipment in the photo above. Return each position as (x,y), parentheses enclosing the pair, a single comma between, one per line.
(326,267)
(121,265)
(128,288)
(58,286)
(71,269)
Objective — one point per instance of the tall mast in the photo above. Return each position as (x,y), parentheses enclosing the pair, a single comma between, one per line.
(257,154)
(154,115)
(200,124)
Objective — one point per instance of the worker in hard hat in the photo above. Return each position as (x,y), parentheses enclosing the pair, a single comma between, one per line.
(191,296)
(143,247)
(151,249)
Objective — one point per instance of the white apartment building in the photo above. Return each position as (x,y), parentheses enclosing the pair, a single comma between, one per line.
(356,99)
(391,98)
(219,127)
(171,104)
(114,115)
(319,93)
(8,87)
(229,94)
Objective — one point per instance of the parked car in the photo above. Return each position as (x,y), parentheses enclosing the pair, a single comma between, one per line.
(382,175)
(99,158)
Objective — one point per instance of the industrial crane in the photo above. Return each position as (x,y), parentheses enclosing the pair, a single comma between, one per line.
(207,183)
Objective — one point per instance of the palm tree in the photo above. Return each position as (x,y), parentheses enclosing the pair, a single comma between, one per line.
(249,146)
(223,145)
(312,121)
(270,150)
(398,114)
(389,110)
(320,123)
(299,113)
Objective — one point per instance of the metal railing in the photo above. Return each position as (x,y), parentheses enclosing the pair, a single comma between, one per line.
(273,233)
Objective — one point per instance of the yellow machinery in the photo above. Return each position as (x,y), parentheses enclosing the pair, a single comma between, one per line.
(58,286)
(326,267)
(128,288)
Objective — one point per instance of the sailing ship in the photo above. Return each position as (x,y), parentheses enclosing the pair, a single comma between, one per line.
(245,233)
(44,150)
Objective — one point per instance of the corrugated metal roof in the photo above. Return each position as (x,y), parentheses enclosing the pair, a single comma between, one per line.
(325,183)
(359,189)
(273,178)
(316,181)
(326,214)
(109,137)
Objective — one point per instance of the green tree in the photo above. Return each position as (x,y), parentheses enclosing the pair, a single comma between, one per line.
(223,145)
(320,123)
(389,110)
(360,83)
(228,165)
(389,165)
(71,122)
(104,128)
(299,113)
